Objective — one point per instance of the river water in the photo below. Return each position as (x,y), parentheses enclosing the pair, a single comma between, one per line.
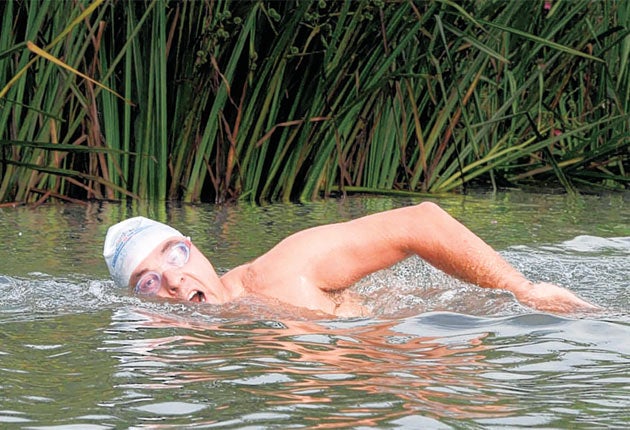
(77,352)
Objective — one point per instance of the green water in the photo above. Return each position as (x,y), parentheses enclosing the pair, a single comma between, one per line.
(76,352)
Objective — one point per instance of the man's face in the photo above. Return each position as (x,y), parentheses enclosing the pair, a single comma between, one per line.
(176,269)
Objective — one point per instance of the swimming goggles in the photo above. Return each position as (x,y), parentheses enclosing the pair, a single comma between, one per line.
(176,256)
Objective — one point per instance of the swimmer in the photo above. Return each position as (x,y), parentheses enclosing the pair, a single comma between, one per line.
(312,267)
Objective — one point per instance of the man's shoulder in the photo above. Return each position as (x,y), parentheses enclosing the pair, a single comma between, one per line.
(237,277)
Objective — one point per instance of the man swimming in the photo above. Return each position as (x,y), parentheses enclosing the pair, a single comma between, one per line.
(309,268)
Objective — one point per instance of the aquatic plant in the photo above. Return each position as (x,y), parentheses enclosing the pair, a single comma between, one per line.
(263,100)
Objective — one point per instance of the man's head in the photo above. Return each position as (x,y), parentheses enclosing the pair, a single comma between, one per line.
(131,241)
(156,259)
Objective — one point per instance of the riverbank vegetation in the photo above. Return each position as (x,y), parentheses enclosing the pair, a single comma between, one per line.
(266,100)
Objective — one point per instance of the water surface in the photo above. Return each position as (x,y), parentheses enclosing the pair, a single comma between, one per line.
(77,352)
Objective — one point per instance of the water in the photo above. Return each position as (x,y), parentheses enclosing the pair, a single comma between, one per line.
(76,352)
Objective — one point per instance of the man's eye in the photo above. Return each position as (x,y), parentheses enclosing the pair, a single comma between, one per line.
(178,255)
(148,284)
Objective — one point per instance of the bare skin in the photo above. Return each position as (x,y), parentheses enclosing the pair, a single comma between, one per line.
(306,267)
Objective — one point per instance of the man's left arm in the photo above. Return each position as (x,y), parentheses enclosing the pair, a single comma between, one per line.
(335,256)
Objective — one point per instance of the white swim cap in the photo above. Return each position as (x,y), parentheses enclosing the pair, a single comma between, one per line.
(131,241)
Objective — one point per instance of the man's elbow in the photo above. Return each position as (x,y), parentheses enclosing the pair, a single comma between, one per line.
(429,210)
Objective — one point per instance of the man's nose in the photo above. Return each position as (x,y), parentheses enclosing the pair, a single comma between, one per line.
(172,280)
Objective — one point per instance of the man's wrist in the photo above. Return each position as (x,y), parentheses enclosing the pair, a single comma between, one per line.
(521,287)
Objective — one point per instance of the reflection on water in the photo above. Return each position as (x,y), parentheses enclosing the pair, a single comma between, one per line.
(304,368)
(437,353)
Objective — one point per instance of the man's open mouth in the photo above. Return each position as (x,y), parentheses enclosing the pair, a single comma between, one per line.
(197,296)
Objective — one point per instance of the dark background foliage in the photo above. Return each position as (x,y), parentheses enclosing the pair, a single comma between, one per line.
(270,100)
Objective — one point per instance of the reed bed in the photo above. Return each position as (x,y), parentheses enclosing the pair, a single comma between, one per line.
(263,100)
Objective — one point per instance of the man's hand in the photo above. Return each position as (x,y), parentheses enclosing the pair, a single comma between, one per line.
(552,298)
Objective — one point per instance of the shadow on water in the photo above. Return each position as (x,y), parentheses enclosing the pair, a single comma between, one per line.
(435,352)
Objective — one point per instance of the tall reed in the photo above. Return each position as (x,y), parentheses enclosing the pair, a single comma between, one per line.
(265,100)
